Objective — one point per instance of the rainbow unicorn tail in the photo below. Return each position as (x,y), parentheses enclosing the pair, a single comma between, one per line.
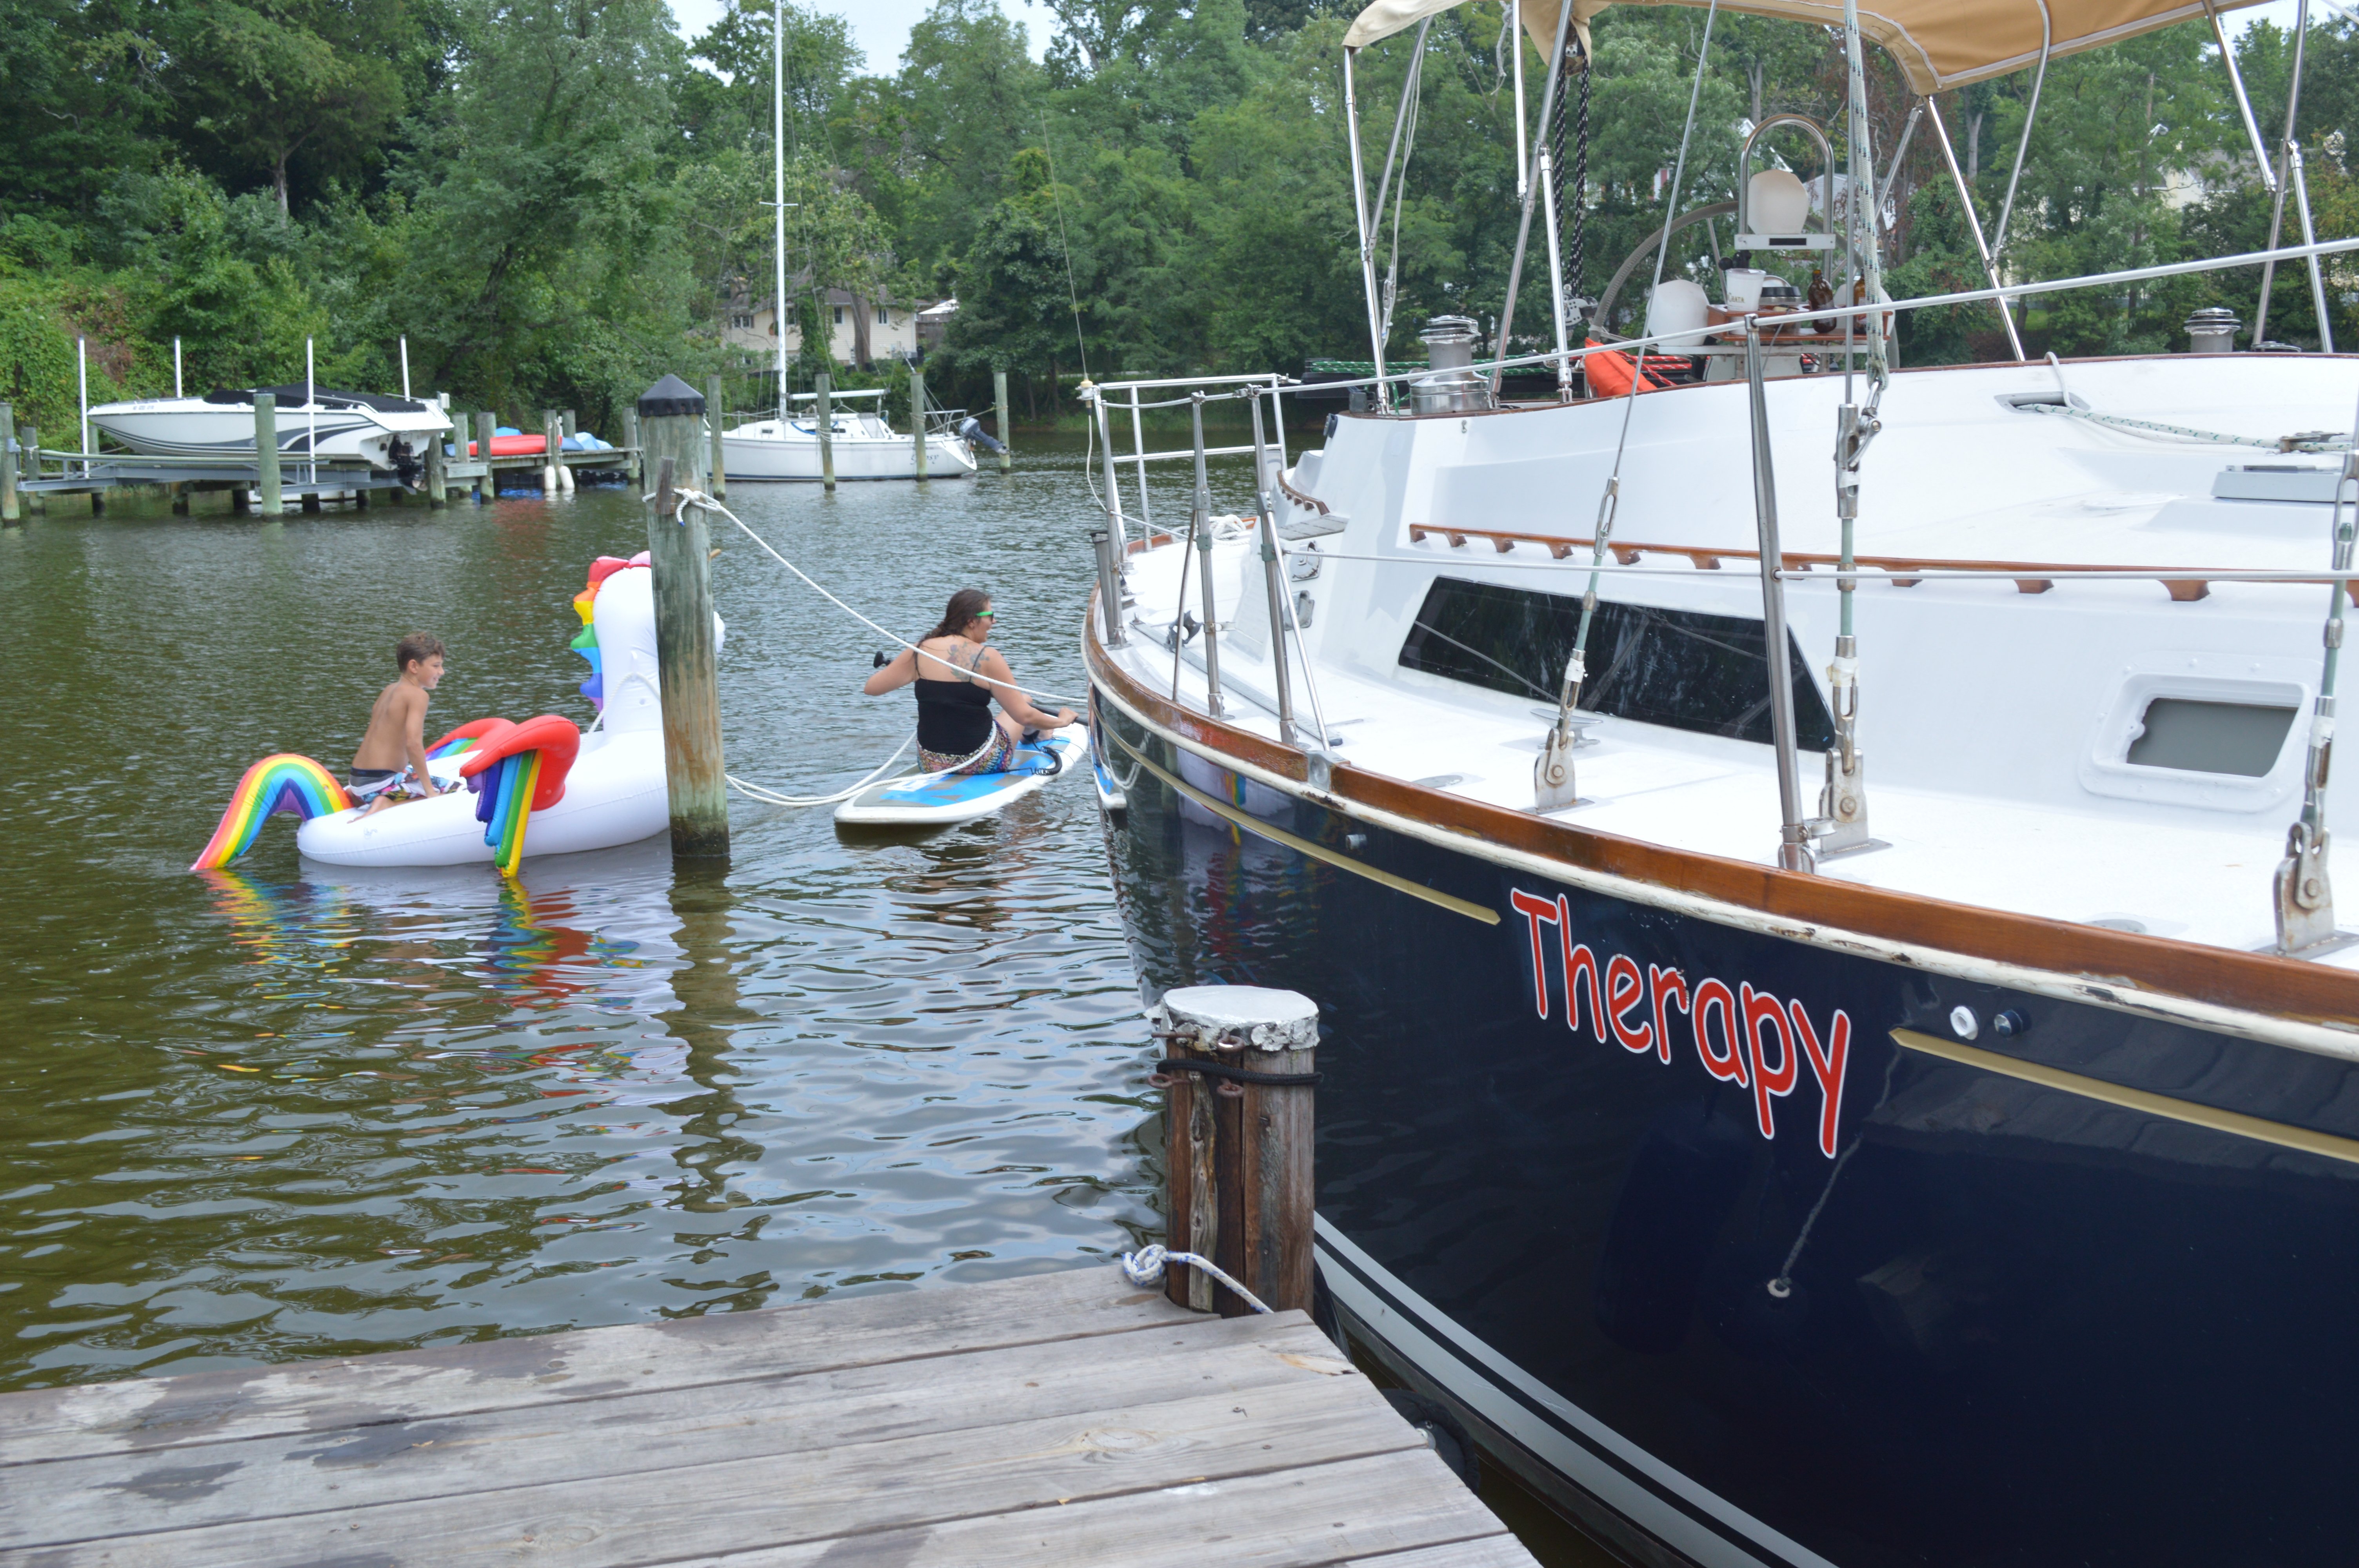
(282,783)
(515,772)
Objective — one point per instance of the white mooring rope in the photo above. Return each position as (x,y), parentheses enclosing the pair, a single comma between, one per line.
(1145,1269)
(697,498)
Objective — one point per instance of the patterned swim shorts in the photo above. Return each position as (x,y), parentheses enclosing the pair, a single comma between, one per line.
(995,760)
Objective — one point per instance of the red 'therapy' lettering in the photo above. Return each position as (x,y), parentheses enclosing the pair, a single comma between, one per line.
(1579,970)
(1666,984)
(1741,1053)
(1768,1081)
(1535,910)
(1625,990)
(1827,1066)
(1712,996)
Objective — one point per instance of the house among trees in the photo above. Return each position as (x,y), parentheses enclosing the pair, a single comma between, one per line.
(861,332)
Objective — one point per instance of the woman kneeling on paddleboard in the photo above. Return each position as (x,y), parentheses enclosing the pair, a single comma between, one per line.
(956,730)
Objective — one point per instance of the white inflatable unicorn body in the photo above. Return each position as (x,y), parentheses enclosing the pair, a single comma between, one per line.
(538,788)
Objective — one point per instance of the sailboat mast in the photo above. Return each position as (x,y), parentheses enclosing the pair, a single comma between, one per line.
(779,195)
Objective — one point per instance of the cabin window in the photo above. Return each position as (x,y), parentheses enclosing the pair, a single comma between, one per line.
(2240,738)
(1681,668)
(839,314)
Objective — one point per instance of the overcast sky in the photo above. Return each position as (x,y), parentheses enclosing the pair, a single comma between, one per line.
(882,27)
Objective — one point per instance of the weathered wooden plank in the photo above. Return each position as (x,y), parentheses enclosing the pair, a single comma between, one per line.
(148,1413)
(1305,1517)
(927,1480)
(1500,1550)
(675,1429)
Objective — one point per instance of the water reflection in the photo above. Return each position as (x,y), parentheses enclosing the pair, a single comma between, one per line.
(287,1109)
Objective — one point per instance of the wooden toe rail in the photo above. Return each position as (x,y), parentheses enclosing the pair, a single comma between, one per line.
(2029,577)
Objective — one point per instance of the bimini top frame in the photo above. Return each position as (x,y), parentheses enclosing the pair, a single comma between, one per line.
(1941,44)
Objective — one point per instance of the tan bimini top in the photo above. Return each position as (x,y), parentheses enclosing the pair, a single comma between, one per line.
(1941,44)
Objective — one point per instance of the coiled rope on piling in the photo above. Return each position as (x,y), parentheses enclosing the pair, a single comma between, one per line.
(1144,1269)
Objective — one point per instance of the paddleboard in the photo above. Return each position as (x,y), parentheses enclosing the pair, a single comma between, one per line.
(936,802)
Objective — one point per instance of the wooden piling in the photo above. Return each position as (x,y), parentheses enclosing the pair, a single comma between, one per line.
(634,466)
(917,416)
(487,487)
(28,444)
(717,413)
(671,422)
(824,386)
(265,454)
(438,484)
(7,463)
(180,494)
(1238,1141)
(999,408)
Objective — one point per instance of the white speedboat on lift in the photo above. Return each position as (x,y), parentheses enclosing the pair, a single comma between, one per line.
(347,426)
(865,446)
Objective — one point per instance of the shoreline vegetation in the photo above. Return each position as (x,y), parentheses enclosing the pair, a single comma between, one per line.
(557,201)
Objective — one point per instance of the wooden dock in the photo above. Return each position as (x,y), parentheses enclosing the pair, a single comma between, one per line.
(1066,1419)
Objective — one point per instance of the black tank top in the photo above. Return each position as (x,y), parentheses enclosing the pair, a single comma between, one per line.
(953,715)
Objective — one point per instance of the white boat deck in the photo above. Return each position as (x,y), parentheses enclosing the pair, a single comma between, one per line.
(2183,873)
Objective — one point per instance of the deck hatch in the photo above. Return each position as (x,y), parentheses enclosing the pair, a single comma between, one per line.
(2240,738)
(1680,668)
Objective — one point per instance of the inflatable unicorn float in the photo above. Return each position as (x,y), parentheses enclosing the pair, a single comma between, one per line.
(541,787)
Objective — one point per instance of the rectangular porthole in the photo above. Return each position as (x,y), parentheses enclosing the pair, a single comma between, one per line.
(2241,739)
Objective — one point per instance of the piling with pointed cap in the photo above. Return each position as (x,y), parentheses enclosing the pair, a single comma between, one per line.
(671,424)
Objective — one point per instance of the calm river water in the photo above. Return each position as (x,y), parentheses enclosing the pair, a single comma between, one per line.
(286,1111)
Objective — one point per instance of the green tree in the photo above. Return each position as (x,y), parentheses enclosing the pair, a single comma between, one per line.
(260,82)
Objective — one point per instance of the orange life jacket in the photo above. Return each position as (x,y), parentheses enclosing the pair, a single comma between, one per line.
(1610,373)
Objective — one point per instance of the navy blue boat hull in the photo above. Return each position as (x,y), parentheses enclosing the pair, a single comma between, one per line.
(1763,1299)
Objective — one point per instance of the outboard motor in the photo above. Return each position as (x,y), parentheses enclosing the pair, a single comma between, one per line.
(408,465)
(971,431)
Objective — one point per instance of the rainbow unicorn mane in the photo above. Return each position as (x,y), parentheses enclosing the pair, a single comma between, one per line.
(516,771)
(586,642)
(282,783)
